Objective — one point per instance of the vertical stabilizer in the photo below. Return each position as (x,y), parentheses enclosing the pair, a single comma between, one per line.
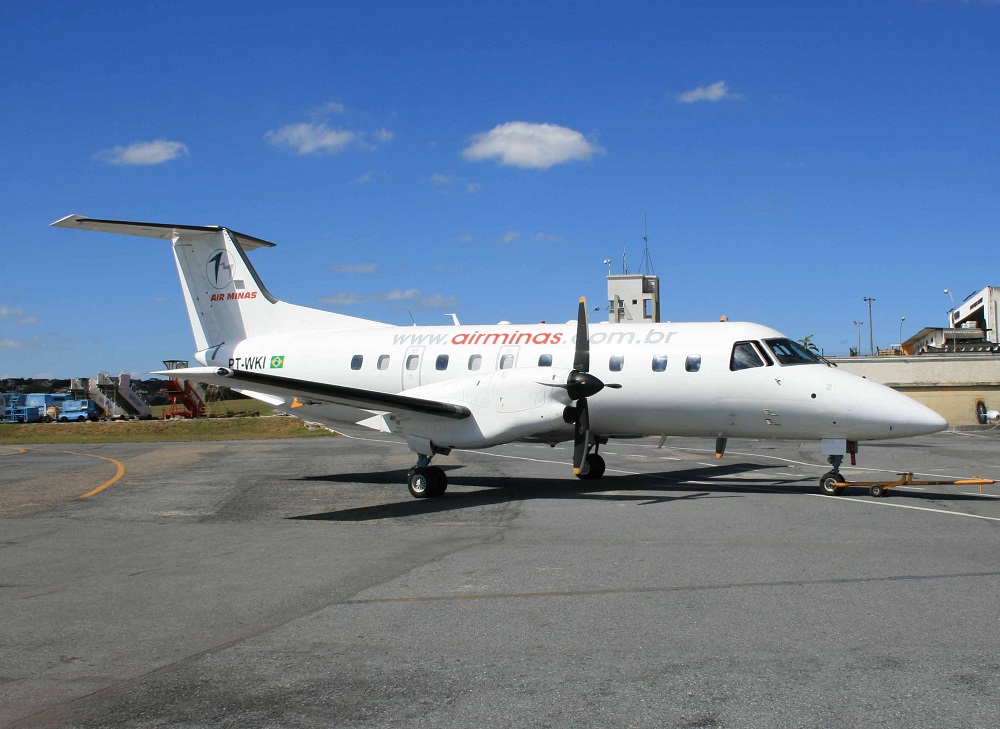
(225,298)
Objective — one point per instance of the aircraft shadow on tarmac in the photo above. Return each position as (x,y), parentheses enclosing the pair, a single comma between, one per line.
(499,489)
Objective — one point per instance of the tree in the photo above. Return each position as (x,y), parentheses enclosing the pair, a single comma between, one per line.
(807,342)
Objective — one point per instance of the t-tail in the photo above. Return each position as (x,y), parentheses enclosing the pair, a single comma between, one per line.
(226,300)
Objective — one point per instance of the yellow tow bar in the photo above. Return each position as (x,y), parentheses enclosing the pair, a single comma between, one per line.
(881,488)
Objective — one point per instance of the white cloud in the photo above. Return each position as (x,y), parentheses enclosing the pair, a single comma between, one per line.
(719,91)
(464,238)
(312,138)
(548,238)
(530,146)
(16,312)
(343,298)
(365,178)
(143,153)
(472,187)
(510,236)
(437,301)
(331,107)
(14,344)
(416,296)
(439,179)
(319,138)
(357,268)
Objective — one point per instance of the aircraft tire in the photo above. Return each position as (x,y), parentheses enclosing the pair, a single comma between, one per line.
(593,467)
(439,482)
(827,481)
(419,481)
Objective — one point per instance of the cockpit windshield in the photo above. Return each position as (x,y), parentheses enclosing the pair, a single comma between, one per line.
(788,352)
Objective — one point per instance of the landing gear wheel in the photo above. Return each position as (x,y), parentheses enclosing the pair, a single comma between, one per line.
(439,482)
(877,490)
(419,481)
(426,482)
(827,484)
(593,467)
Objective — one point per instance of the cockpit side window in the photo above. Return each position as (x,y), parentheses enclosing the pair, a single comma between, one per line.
(788,352)
(744,357)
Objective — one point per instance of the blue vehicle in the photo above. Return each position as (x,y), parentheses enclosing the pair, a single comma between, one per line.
(77,411)
(17,409)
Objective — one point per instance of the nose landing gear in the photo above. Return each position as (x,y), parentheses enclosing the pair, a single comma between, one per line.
(831,482)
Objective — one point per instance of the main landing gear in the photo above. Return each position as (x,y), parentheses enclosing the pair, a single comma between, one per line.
(426,481)
(593,467)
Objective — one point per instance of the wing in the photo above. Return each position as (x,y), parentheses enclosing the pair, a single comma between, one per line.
(319,392)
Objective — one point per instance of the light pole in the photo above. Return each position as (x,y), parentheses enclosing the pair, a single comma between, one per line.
(859,324)
(871,338)
(951,317)
(901,320)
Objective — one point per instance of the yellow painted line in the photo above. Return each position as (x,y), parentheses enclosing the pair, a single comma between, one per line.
(110,482)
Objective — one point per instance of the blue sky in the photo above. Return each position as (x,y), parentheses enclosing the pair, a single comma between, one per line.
(484,158)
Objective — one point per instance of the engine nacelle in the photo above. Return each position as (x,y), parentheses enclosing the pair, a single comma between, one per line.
(505,404)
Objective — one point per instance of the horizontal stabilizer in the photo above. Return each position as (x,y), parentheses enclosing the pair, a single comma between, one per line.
(165,231)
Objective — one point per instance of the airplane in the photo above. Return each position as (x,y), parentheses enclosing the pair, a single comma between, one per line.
(442,388)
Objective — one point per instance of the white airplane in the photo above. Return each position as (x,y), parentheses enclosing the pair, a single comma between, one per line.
(447,387)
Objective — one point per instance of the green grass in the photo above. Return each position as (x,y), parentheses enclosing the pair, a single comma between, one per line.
(151,431)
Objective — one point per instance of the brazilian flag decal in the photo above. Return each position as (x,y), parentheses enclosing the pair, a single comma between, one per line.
(277,362)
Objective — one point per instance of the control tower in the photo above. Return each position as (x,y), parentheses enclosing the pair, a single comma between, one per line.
(633,298)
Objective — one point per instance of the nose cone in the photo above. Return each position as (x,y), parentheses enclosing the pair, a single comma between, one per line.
(881,412)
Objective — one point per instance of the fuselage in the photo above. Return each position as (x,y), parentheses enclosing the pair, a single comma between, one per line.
(689,379)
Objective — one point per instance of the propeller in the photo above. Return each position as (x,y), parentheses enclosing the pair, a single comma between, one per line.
(580,385)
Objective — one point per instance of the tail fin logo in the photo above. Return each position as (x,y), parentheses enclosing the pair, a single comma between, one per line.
(219,269)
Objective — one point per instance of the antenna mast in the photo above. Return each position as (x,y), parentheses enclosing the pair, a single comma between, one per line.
(646,266)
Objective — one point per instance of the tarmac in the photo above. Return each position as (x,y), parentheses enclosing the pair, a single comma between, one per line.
(297,584)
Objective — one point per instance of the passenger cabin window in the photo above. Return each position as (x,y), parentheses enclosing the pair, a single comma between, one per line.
(616,362)
(692,363)
(659,362)
(745,356)
(475,361)
(788,352)
(412,361)
(545,360)
(356,361)
(507,361)
(441,363)
(383,362)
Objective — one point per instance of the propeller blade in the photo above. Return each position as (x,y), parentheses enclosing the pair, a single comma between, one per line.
(581,436)
(581,361)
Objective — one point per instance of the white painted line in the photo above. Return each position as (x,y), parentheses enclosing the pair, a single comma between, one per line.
(880,502)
